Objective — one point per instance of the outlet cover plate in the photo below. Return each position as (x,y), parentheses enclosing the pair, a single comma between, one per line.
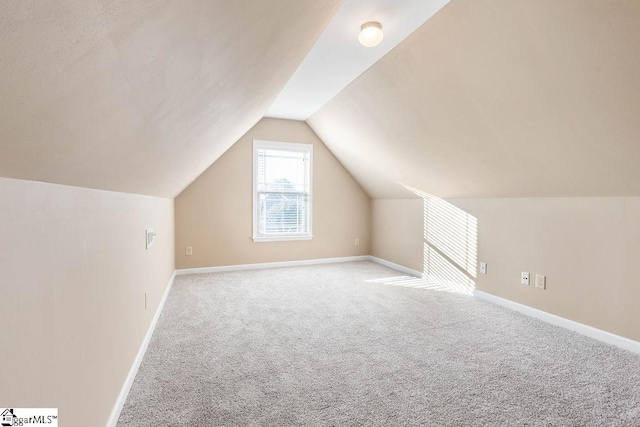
(524,278)
(483,267)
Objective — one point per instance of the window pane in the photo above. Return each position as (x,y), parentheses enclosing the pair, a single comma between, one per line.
(282,213)
(282,171)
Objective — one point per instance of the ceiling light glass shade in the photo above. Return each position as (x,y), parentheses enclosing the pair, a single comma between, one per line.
(370,34)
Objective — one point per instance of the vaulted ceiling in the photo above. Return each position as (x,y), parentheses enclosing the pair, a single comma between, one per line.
(141,96)
(499,98)
(487,98)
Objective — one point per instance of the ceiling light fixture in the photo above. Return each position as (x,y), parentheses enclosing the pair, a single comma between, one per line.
(370,34)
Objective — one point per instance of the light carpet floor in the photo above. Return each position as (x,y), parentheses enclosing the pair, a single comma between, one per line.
(333,345)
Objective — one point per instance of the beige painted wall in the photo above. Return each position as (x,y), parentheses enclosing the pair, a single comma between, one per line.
(214,216)
(73,272)
(396,231)
(587,247)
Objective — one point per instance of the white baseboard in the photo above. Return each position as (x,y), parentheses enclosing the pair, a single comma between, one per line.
(589,331)
(263,265)
(395,266)
(126,387)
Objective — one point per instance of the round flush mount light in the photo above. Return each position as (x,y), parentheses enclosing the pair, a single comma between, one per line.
(370,34)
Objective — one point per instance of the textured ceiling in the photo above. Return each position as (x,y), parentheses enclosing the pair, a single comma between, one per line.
(141,96)
(499,98)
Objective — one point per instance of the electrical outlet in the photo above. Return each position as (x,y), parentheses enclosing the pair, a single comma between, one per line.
(357,242)
(188,251)
(483,267)
(524,278)
(541,281)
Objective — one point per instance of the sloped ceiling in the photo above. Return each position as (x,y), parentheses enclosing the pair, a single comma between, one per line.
(499,98)
(141,96)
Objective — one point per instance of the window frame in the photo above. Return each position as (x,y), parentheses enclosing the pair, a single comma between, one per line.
(282,146)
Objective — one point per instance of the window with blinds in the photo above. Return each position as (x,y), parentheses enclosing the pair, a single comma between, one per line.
(281,191)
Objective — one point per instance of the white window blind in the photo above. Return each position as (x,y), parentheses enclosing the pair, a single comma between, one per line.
(282,191)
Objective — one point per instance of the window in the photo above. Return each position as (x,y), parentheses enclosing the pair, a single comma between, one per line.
(281,191)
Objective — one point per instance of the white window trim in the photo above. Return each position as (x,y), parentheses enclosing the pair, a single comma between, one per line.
(285,146)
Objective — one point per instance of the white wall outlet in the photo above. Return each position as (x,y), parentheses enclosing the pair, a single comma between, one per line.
(524,278)
(150,235)
(357,242)
(146,299)
(483,268)
(188,251)
(541,281)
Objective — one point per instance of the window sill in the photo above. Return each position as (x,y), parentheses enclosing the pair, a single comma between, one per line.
(261,239)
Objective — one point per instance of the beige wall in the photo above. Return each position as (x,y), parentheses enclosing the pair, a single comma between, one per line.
(587,247)
(73,272)
(214,216)
(396,231)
